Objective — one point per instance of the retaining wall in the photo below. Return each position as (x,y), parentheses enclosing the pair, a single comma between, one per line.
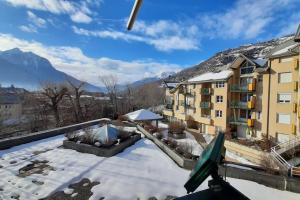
(250,154)
(269,180)
(182,162)
(98,151)
(18,140)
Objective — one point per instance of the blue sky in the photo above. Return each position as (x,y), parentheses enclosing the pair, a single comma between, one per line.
(88,38)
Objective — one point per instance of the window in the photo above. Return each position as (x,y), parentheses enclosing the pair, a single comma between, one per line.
(260,78)
(247,68)
(194,86)
(285,77)
(219,99)
(220,84)
(284,98)
(219,113)
(283,118)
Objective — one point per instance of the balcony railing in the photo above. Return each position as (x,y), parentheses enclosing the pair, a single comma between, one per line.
(204,104)
(238,104)
(242,121)
(238,88)
(205,91)
(169,106)
(250,87)
(243,105)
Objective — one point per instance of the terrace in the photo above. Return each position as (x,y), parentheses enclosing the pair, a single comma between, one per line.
(44,169)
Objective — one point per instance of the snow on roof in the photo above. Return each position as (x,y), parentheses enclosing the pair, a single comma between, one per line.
(171,85)
(260,61)
(210,76)
(142,115)
(106,133)
(284,50)
(139,172)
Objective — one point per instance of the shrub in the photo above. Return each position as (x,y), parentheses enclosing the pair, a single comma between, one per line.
(123,135)
(87,139)
(173,144)
(187,149)
(123,118)
(159,136)
(191,123)
(176,127)
(72,136)
(179,150)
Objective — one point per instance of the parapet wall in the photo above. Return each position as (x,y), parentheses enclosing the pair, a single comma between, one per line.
(31,137)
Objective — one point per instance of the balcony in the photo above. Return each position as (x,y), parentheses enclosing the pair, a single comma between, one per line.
(190,93)
(205,105)
(238,104)
(169,106)
(238,88)
(242,121)
(205,91)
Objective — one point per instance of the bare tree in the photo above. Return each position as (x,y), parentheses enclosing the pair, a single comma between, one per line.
(110,82)
(54,93)
(77,91)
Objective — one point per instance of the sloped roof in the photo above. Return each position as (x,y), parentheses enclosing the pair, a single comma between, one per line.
(170,85)
(9,99)
(284,49)
(297,35)
(211,76)
(106,133)
(143,115)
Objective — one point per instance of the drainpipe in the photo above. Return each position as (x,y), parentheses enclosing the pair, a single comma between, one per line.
(268,106)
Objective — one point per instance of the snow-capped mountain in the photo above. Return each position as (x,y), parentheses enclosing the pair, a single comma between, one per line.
(223,59)
(28,70)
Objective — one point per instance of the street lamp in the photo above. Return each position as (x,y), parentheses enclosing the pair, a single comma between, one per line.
(133,14)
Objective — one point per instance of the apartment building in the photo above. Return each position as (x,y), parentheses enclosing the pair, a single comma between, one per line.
(203,99)
(284,110)
(253,99)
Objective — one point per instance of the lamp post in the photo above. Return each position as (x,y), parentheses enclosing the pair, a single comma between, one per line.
(133,14)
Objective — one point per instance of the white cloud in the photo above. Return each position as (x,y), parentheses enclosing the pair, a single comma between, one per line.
(39,22)
(80,17)
(164,35)
(75,9)
(28,29)
(246,19)
(72,60)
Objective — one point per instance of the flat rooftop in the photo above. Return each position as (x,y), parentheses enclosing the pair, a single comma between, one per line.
(140,172)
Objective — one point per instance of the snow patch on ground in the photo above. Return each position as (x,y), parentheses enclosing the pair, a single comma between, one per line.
(141,171)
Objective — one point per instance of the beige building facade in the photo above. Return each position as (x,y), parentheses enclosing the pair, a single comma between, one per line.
(255,98)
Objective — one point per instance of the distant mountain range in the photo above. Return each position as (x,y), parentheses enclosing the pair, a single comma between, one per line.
(28,70)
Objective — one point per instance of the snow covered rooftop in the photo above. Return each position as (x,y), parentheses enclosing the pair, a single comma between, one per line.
(210,76)
(171,84)
(284,50)
(143,115)
(140,172)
